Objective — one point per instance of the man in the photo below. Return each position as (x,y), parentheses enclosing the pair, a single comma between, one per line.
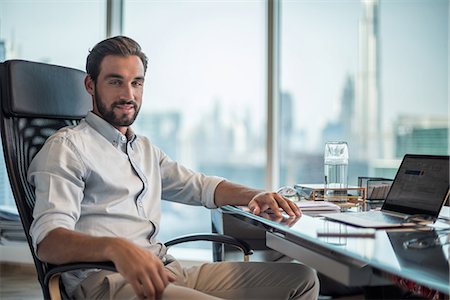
(98,191)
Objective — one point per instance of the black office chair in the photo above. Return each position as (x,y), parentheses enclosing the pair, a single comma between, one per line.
(36,100)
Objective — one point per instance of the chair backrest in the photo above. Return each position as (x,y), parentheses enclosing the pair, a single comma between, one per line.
(37,99)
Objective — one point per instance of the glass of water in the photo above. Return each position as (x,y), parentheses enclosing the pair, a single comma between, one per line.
(336,171)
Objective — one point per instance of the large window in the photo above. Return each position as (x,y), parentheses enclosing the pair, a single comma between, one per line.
(204,99)
(371,72)
(57,32)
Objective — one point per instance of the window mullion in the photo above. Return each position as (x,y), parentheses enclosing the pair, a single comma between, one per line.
(273,165)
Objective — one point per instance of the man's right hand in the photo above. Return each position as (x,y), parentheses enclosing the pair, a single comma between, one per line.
(142,269)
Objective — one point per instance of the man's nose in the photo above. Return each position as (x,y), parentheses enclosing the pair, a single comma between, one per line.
(127,92)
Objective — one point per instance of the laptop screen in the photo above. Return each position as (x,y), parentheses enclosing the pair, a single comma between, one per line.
(420,186)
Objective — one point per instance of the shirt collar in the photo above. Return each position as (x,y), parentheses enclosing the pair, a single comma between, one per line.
(114,136)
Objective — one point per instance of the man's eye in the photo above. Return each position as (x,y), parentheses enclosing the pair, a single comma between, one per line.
(138,83)
(115,82)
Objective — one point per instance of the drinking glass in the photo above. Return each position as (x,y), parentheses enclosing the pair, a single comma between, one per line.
(336,170)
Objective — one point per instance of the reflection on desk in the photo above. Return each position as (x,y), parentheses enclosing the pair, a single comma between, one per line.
(356,261)
(433,259)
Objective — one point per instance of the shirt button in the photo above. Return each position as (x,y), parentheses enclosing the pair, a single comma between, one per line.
(123,139)
(140,203)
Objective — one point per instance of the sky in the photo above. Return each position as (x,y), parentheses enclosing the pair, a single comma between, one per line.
(215,52)
(204,52)
(413,57)
(61,31)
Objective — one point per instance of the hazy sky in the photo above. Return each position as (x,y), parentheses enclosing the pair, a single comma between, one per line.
(215,51)
(58,30)
(202,52)
(413,43)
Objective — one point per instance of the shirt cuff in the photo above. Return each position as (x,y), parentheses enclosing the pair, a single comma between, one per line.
(209,189)
(39,230)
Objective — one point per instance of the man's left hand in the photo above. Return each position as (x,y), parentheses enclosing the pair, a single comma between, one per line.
(273,201)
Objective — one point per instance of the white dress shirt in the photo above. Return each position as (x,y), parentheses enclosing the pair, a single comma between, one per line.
(93,179)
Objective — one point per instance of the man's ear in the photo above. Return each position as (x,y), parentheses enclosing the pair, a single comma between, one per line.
(89,84)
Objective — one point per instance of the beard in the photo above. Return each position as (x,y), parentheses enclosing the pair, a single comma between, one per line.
(116,119)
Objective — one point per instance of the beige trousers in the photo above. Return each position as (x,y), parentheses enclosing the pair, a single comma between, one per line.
(224,280)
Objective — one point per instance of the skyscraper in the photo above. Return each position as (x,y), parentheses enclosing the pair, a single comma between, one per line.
(421,135)
(367,125)
(341,128)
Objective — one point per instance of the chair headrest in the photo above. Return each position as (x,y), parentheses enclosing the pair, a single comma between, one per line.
(31,89)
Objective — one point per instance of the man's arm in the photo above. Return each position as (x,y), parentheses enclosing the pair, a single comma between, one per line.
(141,268)
(228,193)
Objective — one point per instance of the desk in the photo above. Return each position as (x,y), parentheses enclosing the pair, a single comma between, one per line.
(353,261)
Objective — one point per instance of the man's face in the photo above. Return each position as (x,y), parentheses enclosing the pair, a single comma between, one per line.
(118,90)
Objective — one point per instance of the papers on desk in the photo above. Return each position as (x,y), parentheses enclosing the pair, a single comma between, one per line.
(317,206)
(310,207)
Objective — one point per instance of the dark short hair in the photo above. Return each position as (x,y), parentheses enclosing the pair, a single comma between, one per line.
(118,45)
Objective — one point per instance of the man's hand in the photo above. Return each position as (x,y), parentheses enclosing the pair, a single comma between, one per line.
(142,269)
(284,220)
(274,201)
(228,193)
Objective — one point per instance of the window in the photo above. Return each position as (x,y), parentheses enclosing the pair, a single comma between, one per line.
(204,99)
(57,32)
(373,73)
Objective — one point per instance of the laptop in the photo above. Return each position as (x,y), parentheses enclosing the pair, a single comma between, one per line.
(420,189)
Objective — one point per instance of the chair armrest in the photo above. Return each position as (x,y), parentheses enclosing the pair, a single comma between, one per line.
(52,287)
(57,269)
(108,265)
(213,237)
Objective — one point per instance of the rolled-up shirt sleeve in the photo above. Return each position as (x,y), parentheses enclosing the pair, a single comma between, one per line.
(180,184)
(56,173)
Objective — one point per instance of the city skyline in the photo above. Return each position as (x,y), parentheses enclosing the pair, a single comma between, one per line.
(223,64)
(308,31)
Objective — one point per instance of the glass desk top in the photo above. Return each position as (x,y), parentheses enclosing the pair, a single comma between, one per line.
(420,254)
